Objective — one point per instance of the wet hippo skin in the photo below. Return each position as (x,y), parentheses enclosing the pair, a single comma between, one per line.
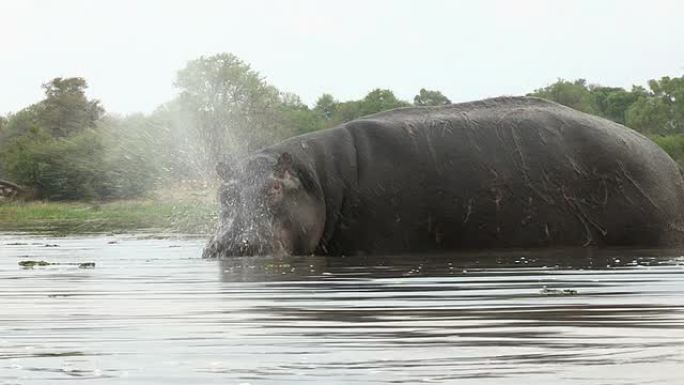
(496,173)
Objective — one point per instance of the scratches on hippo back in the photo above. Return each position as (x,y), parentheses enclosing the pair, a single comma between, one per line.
(518,150)
(468,211)
(435,230)
(636,185)
(500,128)
(470,131)
(547,232)
(436,164)
(584,218)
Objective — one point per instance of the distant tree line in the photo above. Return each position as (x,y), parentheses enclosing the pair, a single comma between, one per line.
(658,109)
(66,147)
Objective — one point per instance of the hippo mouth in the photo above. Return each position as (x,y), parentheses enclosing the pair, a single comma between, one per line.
(216,248)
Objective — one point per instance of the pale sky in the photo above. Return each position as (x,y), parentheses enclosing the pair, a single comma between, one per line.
(129,51)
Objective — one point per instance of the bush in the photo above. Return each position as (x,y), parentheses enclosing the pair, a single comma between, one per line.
(673,145)
(95,164)
(58,169)
(133,156)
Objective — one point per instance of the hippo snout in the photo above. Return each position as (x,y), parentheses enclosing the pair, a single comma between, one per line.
(234,247)
(247,246)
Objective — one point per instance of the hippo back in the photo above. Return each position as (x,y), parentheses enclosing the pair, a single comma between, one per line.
(503,172)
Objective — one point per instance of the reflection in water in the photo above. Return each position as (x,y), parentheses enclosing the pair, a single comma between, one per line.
(152,313)
(317,267)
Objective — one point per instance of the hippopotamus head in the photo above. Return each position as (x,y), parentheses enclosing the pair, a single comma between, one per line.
(269,205)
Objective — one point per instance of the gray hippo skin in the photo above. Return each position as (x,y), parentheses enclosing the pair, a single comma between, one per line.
(497,173)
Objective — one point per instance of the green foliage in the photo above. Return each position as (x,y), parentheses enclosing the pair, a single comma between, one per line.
(177,147)
(657,110)
(231,106)
(347,111)
(132,156)
(380,100)
(612,103)
(56,148)
(430,98)
(673,145)
(57,168)
(66,110)
(22,123)
(94,164)
(649,115)
(334,112)
(660,110)
(326,106)
(296,117)
(572,94)
(671,92)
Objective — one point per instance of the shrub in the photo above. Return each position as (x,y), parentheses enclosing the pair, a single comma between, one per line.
(673,145)
(58,169)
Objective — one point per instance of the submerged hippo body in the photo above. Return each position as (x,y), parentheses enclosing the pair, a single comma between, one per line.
(497,173)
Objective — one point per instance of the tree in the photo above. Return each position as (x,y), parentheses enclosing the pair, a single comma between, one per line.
(430,98)
(572,94)
(134,150)
(296,117)
(347,111)
(23,122)
(232,107)
(380,100)
(649,115)
(63,149)
(56,168)
(377,100)
(659,110)
(66,110)
(326,106)
(671,92)
(612,102)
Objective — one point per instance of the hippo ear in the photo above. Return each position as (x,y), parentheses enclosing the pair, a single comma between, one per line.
(285,164)
(224,170)
(286,173)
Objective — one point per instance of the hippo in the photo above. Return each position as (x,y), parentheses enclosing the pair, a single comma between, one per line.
(507,172)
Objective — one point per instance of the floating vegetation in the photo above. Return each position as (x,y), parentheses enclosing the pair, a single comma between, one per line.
(31,264)
(557,292)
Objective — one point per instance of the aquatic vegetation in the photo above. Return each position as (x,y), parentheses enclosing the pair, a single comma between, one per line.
(31,264)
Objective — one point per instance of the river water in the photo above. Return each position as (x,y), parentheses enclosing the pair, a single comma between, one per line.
(151,311)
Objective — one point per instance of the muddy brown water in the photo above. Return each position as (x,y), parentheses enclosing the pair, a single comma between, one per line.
(152,311)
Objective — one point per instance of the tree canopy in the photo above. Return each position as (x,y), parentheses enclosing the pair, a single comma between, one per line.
(657,110)
(57,148)
(430,98)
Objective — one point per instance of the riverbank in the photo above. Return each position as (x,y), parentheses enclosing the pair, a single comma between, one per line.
(195,217)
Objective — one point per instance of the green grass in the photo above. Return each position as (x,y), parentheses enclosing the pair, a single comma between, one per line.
(118,216)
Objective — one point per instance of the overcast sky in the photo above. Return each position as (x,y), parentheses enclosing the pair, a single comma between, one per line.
(130,51)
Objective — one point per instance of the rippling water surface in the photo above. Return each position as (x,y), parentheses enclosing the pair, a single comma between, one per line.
(151,311)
